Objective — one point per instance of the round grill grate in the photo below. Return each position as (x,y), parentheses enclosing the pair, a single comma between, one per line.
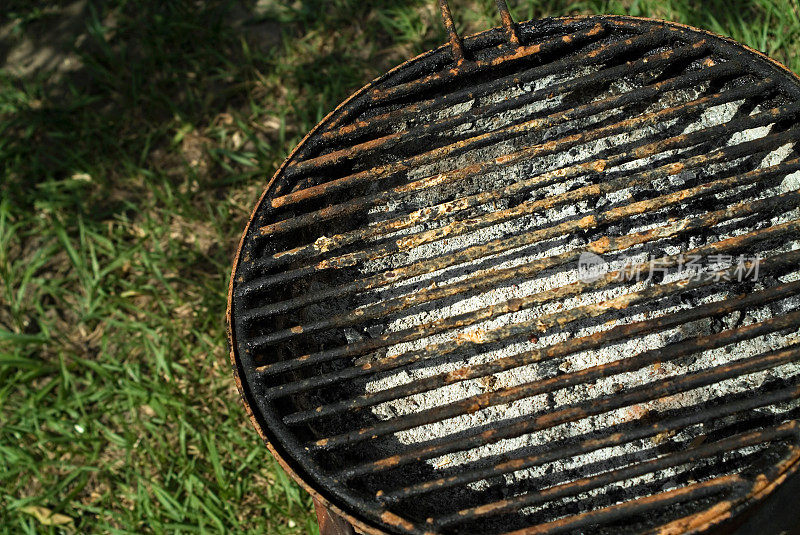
(540,281)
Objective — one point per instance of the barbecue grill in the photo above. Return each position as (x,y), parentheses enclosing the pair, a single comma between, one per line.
(542,279)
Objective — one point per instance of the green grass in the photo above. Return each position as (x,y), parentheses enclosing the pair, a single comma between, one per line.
(124,185)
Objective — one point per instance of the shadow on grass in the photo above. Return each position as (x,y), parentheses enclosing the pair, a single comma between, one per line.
(95,88)
(91,88)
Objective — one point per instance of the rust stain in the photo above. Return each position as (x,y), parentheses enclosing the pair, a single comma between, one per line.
(395,520)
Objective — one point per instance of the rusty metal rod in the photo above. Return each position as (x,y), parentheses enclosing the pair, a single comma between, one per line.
(691,455)
(626,331)
(630,178)
(487,279)
(360,204)
(451,207)
(613,436)
(474,438)
(338,132)
(391,142)
(767,476)
(628,509)
(389,363)
(603,53)
(645,93)
(456,47)
(380,123)
(448,124)
(533,268)
(459,227)
(508,22)
(603,245)
(414,387)
(507,395)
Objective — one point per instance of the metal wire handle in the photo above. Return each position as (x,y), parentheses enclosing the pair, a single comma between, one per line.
(455,41)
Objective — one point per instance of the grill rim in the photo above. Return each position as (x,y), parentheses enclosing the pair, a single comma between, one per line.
(699,522)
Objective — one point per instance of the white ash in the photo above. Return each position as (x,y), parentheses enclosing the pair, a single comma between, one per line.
(667,475)
(607,386)
(530,167)
(513,173)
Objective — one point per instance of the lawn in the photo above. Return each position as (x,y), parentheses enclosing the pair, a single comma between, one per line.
(135,137)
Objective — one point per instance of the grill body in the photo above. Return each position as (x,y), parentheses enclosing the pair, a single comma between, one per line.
(397,252)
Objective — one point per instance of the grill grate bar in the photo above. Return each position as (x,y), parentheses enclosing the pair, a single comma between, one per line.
(461,227)
(768,477)
(382,172)
(472,439)
(481,280)
(360,348)
(495,310)
(638,506)
(723,246)
(378,123)
(439,79)
(541,324)
(451,207)
(600,246)
(390,142)
(498,397)
(630,364)
(783,431)
(614,436)
(406,164)
(391,363)
(629,178)
(621,332)
(347,208)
